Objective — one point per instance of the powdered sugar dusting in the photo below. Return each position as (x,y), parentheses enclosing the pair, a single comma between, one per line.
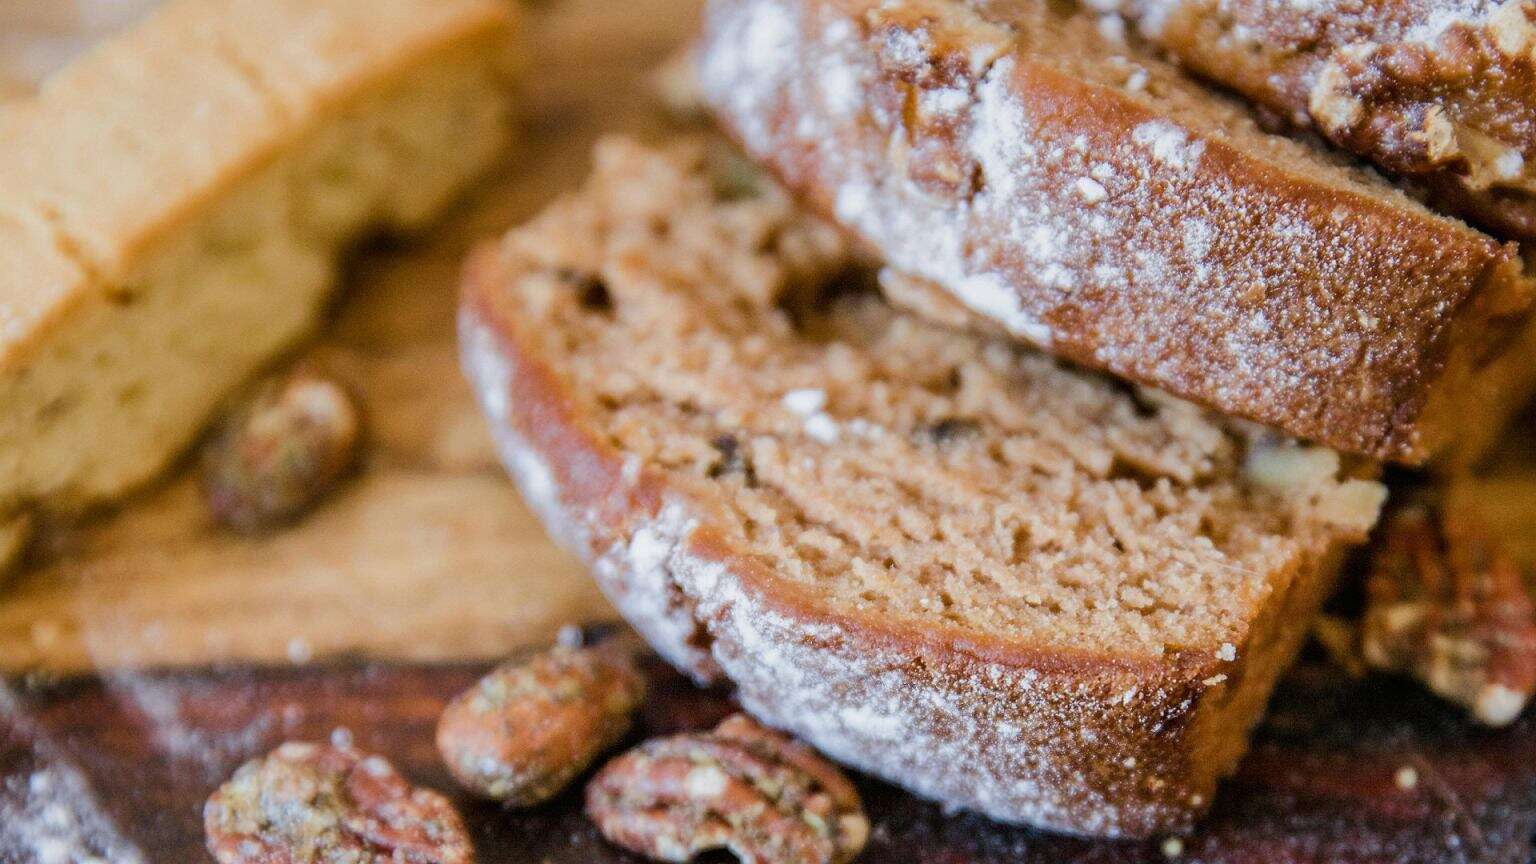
(1116,236)
(51,815)
(1169,144)
(490,373)
(161,704)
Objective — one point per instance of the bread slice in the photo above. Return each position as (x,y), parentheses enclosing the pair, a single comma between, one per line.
(1443,91)
(186,191)
(1102,207)
(938,557)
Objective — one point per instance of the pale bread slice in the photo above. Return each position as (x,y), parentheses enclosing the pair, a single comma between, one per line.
(202,174)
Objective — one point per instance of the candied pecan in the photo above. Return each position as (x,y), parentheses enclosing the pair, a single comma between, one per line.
(1449,607)
(764,797)
(324,803)
(277,455)
(524,731)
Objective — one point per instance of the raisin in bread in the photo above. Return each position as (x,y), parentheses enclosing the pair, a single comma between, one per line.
(1443,91)
(1101,206)
(173,206)
(941,558)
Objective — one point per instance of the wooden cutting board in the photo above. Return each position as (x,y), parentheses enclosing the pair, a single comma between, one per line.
(428,554)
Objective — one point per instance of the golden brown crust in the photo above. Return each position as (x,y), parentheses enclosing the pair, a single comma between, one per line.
(90,154)
(1189,252)
(1437,90)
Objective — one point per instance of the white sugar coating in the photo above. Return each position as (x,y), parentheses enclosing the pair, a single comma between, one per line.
(51,814)
(1510,164)
(1183,270)
(821,427)
(1004,584)
(805,401)
(177,737)
(1112,28)
(1169,144)
(1090,190)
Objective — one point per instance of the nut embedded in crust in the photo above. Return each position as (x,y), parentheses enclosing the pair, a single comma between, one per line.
(742,787)
(524,731)
(1449,607)
(314,802)
(274,457)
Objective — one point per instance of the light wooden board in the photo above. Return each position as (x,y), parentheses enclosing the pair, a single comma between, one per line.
(428,553)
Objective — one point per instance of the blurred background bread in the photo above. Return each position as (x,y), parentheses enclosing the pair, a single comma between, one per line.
(180,197)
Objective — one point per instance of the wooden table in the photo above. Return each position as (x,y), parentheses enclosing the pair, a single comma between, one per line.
(428,554)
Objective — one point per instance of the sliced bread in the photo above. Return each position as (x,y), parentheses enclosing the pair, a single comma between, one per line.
(1439,90)
(1100,205)
(941,558)
(186,190)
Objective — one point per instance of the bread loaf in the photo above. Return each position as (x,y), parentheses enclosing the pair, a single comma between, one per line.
(944,559)
(173,207)
(1098,204)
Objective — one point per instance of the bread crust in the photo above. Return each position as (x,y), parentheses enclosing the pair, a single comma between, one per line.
(1444,92)
(1075,741)
(1067,209)
(92,154)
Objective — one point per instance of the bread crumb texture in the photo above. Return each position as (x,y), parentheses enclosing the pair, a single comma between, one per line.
(897,467)
(173,206)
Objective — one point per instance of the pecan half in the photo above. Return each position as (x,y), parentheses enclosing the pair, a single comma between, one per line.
(314,802)
(524,731)
(274,457)
(764,797)
(1448,607)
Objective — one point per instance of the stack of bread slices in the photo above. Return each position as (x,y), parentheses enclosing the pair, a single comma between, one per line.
(1005,441)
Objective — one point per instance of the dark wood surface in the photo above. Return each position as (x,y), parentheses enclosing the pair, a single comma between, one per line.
(1320,785)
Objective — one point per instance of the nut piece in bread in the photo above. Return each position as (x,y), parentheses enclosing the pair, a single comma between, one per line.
(186,190)
(1437,90)
(938,557)
(1106,208)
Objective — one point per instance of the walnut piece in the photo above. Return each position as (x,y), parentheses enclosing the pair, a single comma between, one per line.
(524,732)
(315,802)
(764,797)
(1448,607)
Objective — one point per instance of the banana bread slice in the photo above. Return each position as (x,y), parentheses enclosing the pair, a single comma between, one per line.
(941,558)
(190,186)
(1443,91)
(1102,206)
